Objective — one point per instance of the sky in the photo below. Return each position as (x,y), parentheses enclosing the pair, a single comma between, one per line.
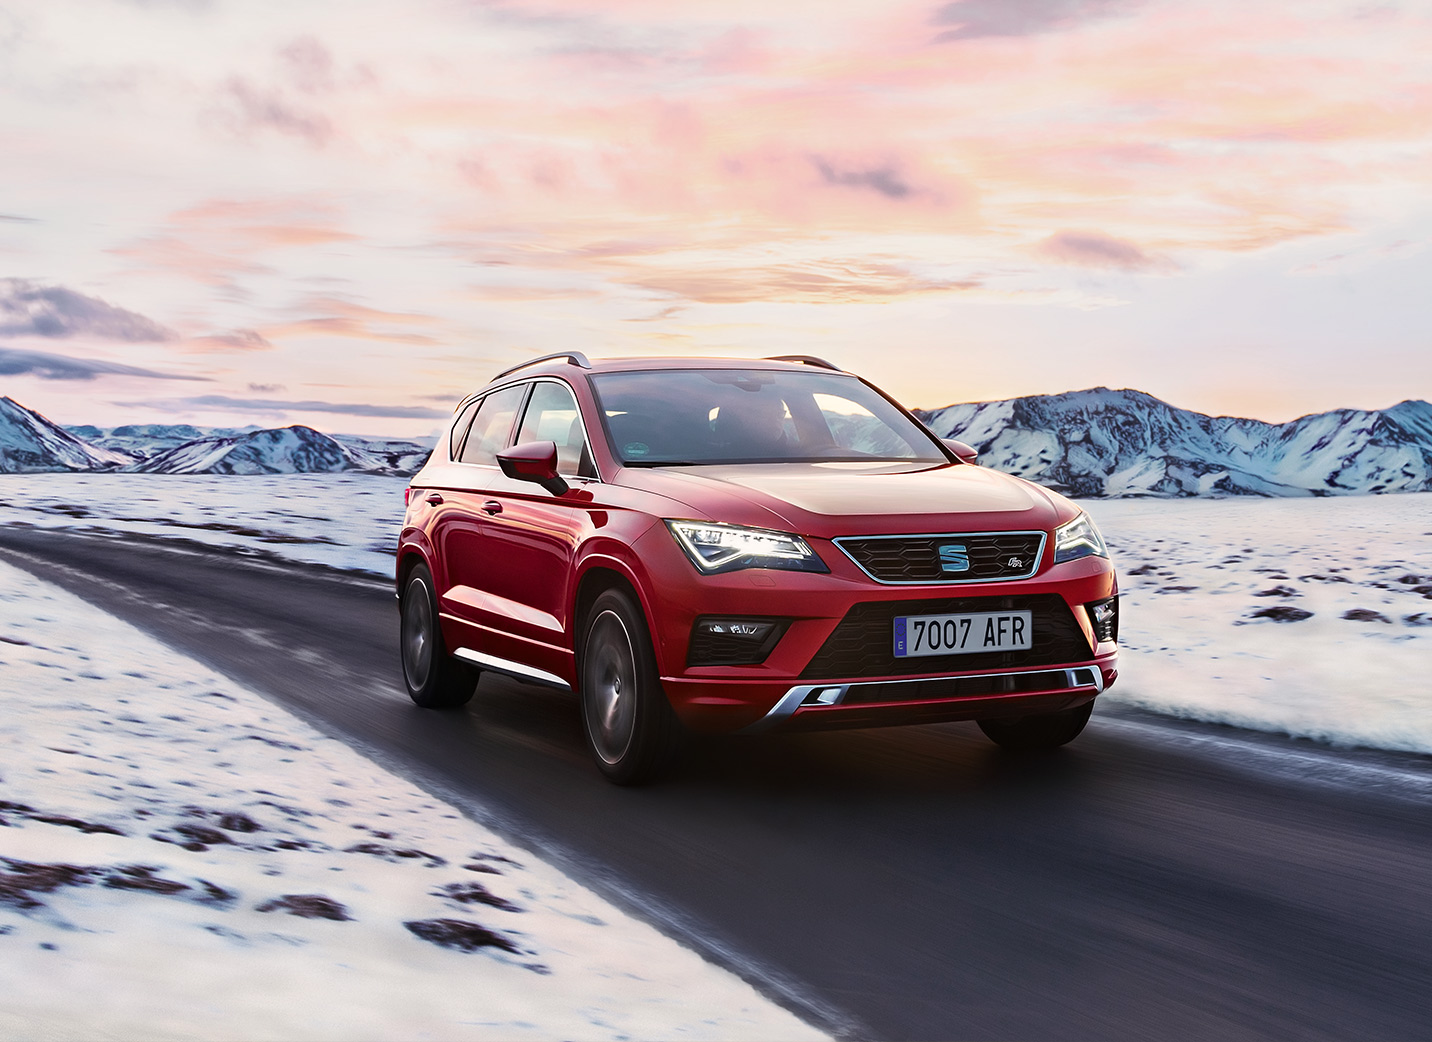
(350,213)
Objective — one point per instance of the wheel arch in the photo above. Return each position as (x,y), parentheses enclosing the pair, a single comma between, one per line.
(410,555)
(596,578)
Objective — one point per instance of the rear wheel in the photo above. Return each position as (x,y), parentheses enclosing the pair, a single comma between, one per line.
(434,678)
(1035,733)
(630,727)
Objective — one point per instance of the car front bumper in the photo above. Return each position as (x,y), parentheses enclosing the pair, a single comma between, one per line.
(792,688)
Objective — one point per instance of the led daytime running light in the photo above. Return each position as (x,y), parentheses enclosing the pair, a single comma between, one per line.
(1078,538)
(715,547)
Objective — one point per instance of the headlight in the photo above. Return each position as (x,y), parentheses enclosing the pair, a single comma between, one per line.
(715,547)
(1079,538)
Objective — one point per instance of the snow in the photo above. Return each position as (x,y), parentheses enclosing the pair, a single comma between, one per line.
(162,829)
(29,442)
(1100,442)
(1189,644)
(1195,574)
(347,521)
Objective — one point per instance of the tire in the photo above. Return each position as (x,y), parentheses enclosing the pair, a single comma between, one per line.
(1026,734)
(435,680)
(630,728)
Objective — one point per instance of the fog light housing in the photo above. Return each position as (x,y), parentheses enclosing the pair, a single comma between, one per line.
(1104,615)
(723,640)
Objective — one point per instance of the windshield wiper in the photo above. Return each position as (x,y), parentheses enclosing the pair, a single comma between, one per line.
(661,463)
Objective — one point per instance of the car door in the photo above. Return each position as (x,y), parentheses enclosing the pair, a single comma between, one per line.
(531,537)
(461,523)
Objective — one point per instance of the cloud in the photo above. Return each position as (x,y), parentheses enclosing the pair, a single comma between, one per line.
(220,401)
(46,366)
(973,19)
(885,179)
(238,340)
(267,388)
(191,5)
(18,219)
(827,283)
(29,309)
(308,64)
(256,108)
(1097,250)
(347,319)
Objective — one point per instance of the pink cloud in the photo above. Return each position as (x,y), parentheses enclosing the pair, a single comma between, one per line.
(1096,250)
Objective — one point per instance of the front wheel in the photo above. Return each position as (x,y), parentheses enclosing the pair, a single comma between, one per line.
(435,679)
(1035,733)
(630,727)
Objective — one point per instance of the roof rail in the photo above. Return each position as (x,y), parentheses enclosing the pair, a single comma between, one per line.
(805,360)
(575,357)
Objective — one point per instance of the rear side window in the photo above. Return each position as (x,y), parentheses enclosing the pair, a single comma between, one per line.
(492,425)
(552,416)
(459,428)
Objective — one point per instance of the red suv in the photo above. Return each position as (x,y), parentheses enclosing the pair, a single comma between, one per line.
(732,545)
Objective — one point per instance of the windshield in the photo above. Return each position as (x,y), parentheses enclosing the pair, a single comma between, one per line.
(690,416)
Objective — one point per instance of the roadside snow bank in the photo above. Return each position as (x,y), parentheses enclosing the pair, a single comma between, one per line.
(181,859)
(346,521)
(1311,617)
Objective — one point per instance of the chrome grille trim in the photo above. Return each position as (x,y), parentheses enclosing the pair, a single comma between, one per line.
(1075,678)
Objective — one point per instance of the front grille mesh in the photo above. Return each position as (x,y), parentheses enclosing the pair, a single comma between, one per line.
(965,687)
(916,559)
(862,645)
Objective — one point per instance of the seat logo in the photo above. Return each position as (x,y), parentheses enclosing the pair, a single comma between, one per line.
(954,558)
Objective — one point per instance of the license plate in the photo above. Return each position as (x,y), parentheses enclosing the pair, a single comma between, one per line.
(963,634)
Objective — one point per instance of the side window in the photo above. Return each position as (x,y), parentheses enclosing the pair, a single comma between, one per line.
(492,425)
(459,428)
(552,416)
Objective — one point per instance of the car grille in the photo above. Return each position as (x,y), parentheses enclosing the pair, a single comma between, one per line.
(862,645)
(986,556)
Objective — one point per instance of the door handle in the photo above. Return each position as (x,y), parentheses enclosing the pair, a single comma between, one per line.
(434,498)
(492,506)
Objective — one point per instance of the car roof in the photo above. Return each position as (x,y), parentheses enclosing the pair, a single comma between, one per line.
(567,364)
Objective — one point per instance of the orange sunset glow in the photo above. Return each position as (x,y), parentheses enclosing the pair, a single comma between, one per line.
(348,214)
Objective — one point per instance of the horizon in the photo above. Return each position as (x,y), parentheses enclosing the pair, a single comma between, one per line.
(252,426)
(350,214)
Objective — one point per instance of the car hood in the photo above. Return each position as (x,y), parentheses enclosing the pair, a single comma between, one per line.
(832,499)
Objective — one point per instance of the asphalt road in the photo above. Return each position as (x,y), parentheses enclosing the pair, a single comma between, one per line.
(1153,880)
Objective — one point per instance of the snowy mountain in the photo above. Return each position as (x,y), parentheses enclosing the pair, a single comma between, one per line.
(139,441)
(285,450)
(386,455)
(1085,443)
(1126,443)
(30,443)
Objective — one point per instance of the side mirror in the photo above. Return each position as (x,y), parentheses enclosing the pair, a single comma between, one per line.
(533,461)
(966,453)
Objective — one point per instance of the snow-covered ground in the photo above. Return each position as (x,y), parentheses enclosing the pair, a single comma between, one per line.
(347,521)
(181,859)
(1213,624)
(1195,573)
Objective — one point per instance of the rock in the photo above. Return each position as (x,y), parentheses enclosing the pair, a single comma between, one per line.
(460,934)
(307,906)
(1282,613)
(1278,591)
(1365,615)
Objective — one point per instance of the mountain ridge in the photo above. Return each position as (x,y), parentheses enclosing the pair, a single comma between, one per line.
(1099,442)
(31,443)
(1091,443)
